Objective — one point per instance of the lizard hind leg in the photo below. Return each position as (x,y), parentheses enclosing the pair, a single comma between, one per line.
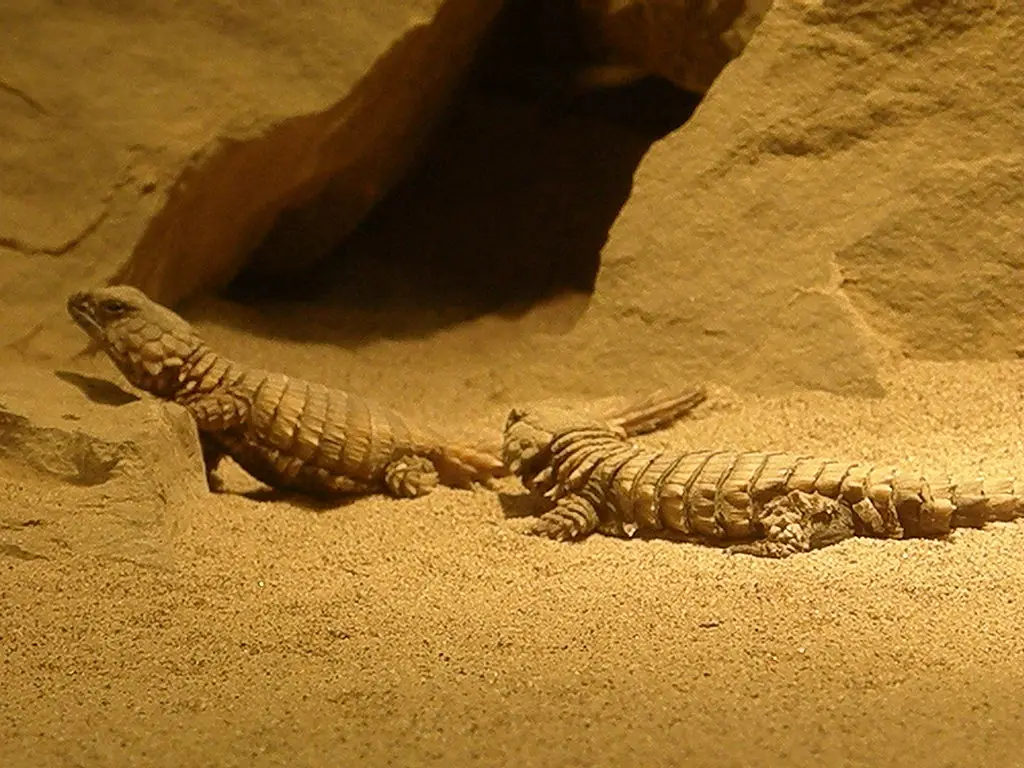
(572,518)
(799,522)
(411,476)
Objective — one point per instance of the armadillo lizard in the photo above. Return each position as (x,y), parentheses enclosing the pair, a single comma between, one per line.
(288,433)
(294,434)
(776,504)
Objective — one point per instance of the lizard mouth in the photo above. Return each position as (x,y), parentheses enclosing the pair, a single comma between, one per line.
(79,307)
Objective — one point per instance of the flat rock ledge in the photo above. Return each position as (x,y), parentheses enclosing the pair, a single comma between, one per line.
(87,468)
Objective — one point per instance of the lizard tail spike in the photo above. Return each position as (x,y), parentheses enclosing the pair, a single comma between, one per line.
(657,410)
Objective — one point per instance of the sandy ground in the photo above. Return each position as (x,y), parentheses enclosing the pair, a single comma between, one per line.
(876,155)
(431,631)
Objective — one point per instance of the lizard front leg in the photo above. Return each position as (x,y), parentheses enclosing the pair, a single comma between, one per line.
(213,453)
(216,412)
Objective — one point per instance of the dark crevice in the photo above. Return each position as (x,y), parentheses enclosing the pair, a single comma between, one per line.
(509,206)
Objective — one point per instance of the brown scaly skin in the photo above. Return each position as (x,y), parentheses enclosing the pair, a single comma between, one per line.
(288,433)
(776,504)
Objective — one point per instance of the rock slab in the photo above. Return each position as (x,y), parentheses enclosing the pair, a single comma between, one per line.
(199,130)
(90,469)
(851,188)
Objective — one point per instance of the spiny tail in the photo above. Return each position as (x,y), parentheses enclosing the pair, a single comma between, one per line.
(656,410)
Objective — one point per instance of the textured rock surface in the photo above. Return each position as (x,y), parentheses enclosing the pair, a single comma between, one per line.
(115,473)
(169,157)
(856,174)
(685,41)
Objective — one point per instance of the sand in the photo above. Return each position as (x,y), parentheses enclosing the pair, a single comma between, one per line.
(840,210)
(432,631)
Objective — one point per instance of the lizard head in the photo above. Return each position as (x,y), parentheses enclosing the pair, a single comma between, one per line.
(148,342)
(526,442)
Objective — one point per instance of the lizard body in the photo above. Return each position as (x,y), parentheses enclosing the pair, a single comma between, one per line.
(286,432)
(590,478)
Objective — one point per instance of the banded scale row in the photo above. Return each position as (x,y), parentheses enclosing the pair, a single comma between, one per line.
(717,495)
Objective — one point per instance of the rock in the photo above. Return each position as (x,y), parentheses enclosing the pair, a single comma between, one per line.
(88,468)
(851,186)
(848,190)
(196,127)
(688,42)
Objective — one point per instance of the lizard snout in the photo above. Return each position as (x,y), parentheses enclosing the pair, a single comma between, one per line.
(78,302)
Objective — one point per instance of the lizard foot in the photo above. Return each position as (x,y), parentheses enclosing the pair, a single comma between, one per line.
(411,476)
(573,518)
(799,522)
(213,455)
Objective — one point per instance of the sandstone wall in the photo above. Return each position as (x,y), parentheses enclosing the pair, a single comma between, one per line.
(851,186)
(158,142)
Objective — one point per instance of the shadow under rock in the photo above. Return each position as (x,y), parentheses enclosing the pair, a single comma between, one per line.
(509,207)
(98,390)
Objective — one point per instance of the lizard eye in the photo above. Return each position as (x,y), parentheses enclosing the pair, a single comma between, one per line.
(114,307)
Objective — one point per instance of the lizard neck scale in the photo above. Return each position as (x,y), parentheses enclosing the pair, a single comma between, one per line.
(155,349)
